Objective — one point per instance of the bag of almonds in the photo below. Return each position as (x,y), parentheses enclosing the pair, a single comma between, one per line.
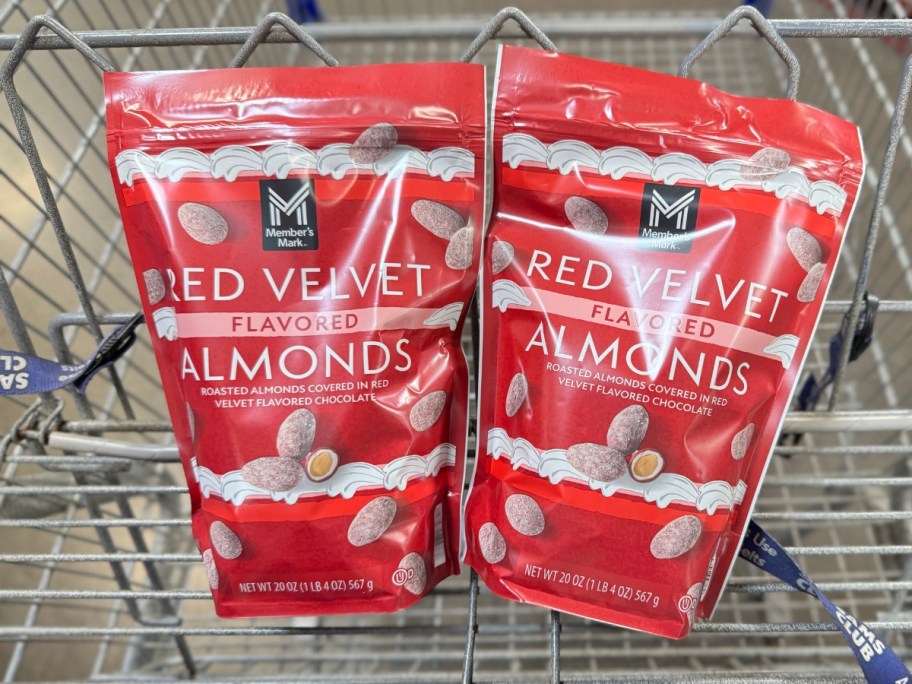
(655,267)
(306,242)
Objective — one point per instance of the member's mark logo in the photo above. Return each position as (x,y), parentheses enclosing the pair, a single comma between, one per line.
(668,217)
(289,214)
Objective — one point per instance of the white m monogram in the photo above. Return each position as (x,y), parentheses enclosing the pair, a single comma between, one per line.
(678,210)
(294,205)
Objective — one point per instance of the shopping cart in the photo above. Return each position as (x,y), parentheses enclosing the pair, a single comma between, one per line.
(99,577)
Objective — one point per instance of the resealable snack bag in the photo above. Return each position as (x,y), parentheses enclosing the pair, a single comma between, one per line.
(306,243)
(656,264)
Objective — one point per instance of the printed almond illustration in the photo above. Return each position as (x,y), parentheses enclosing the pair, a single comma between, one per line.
(374,144)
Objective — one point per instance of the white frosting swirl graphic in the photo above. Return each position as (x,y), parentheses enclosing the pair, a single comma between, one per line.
(345,482)
(446,315)
(165,323)
(666,489)
(177,162)
(505,293)
(566,156)
(783,348)
(281,159)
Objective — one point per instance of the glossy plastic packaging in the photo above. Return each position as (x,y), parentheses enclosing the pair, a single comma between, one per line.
(306,243)
(657,259)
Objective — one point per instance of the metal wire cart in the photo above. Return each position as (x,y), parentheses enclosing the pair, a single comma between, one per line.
(99,577)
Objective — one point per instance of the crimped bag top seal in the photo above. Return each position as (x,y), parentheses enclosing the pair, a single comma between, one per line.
(655,267)
(306,243)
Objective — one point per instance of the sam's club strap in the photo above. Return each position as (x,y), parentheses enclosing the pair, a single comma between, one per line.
(878,661)
(27,374)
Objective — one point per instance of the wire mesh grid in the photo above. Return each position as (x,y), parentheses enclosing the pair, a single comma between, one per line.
(99,577)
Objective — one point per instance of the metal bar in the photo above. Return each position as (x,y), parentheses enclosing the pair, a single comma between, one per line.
(830,516)
(98,557)
(848,550)
(798,627)
(77,490)
(777,587)
(70,463)
(454,28)
(52,633)
(105,447)
(810,481)
(869,449)
(132,595)
(468,663)
(885,306)
(429,677)
(493,27)
(94,426)
(264,28)
(853,421)
(94,522)
(883,184)
(84,539)
(764,29)
(555,647)
(83,633)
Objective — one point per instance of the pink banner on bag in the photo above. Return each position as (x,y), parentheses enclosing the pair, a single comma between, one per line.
(653,322)
(296,323)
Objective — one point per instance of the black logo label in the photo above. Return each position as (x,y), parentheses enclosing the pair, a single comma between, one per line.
(668,218)
(289,214)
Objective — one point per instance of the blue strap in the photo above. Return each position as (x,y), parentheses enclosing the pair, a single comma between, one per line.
(304,11)
(878,661)
(27,374)
(765,7)
(813,389)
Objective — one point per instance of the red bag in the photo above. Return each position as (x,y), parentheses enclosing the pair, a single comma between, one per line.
(655,267)
(306,244)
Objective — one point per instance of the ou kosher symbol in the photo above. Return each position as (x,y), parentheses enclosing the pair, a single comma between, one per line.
(402,575)
(686,603)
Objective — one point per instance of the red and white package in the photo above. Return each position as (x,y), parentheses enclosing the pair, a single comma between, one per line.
(306,242)
(656,263)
